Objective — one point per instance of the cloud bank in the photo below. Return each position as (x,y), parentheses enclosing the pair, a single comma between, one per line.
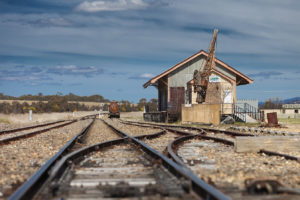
(144,76)
(111,5)
(75,70)
(266,75)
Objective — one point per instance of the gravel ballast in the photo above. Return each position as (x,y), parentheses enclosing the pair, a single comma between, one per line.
(20,159)
(132,129)
(221,166)
(100,132)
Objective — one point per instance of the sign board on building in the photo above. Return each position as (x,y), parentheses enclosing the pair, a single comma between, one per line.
(214,79)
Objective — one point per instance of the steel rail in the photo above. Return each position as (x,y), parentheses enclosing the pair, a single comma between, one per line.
(198,186)
(205,137)
(63,163)
(232,133)
(272,153)
(228,142)
(30,134)
(169,129)
(57,166)
(34,183)
(75,156)
(29,127)
(88,116)
(173,146)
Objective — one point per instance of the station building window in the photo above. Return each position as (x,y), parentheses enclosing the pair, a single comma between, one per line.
(297,111)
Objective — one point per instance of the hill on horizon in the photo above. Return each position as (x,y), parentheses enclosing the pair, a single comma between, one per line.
(291,100)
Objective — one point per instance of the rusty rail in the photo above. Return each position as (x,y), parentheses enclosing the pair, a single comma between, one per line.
(272,153)
(29,127)
(30,134)
(231,133)
(224,141)
(35,182)
(201,188)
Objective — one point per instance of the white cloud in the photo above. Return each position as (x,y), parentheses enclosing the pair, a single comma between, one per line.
(143,76)
(75,70)
(147,75)
(114,5)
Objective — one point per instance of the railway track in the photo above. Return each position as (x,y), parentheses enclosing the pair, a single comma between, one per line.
(19,134)
(8,136)
(27,190)
(224,136)
(21,158)
(190,128)
(127,165)
(218,164)
(207,156)
(29,127)
(115,161)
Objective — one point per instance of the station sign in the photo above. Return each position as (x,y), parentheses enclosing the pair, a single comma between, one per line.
(214,78)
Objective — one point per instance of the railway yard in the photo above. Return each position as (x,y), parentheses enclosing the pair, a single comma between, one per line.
(95,157)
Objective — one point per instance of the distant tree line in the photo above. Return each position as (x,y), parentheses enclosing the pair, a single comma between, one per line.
(61,103)
(126,106)
(273,103)
(55,104)
(68,97)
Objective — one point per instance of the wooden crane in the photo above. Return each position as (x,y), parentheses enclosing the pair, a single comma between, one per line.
(201,78)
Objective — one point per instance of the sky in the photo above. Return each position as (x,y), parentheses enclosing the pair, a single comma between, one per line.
(112,47)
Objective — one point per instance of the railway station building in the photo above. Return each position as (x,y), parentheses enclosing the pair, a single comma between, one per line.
(175,89)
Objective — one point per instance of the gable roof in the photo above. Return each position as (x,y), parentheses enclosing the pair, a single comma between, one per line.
(241,79)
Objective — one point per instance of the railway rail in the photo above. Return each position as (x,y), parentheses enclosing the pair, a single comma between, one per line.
(29,127)
(17,135)
(198,129)
(257,186)
(135,164)
(159,174)
(7,136)
(33,184)
(218,164)
(207,131)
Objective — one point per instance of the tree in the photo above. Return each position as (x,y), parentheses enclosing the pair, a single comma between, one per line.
(272,104)
(142,103)
(153,104)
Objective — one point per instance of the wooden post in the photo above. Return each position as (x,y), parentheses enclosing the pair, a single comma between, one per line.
(30,115)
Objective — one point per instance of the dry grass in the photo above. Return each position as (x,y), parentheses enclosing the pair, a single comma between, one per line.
(289,121)
(20,101)
(5,121)
(42,117)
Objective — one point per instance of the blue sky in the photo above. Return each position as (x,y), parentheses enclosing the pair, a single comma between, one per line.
(112,47)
